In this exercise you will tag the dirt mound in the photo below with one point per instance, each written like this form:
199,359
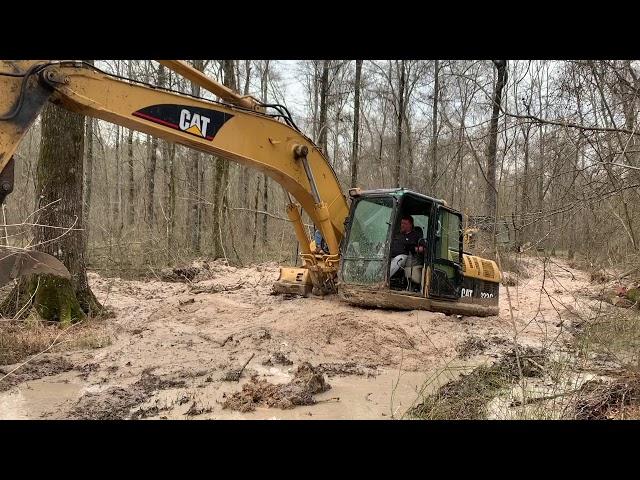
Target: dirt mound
381,340
201,270
116,403
34,370
179,274
307,382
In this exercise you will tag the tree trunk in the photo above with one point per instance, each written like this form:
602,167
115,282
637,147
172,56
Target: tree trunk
356,126
131,203
409,179
434,134
244,173
88,170
264,82
151,173
117,205
172,197
222,171
400,117
324,93
315,100
524,203
255,214
574,217
490,190
132,206
193,182
381,146
59,195
153,162
265,208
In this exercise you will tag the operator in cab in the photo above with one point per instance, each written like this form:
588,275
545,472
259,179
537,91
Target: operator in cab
407,247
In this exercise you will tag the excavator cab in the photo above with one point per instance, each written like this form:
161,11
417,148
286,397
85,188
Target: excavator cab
433,279
374,219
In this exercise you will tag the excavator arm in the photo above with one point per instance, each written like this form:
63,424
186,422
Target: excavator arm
238,129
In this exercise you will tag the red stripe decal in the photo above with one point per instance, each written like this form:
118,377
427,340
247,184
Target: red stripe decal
154,119
168,124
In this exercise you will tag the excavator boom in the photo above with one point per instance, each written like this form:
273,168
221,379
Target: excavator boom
239,129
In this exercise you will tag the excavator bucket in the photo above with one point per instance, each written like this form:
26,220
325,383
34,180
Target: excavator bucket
19,263
293,281
16,263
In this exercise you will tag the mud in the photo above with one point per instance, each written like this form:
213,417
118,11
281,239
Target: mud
38,368
234,375
116,403
196,409
306,382
602,400
169,343
467,397
471,346
277,358
349,368
185,274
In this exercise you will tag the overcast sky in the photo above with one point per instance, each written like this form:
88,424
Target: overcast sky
292,88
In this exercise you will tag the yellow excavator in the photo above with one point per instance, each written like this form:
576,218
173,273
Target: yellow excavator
356,232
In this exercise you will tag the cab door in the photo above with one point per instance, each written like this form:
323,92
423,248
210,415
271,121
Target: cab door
446,265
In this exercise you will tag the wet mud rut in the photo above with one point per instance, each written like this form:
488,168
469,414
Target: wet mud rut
173,346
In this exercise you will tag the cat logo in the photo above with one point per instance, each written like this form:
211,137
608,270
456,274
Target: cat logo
194,123
203,123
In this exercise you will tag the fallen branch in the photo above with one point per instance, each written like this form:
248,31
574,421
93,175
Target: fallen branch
628,272
216,288
234,375
332,399
529,401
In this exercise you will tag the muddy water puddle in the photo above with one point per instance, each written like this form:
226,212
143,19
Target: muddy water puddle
40,399
386,395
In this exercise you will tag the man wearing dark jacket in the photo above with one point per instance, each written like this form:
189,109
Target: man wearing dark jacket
407,249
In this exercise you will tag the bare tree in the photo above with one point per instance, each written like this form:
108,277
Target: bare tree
59,194
131,202
193,168
434,136
356,125
490,189
324,94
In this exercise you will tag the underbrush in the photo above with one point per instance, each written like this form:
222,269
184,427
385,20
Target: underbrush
596,377
21,339
466,398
